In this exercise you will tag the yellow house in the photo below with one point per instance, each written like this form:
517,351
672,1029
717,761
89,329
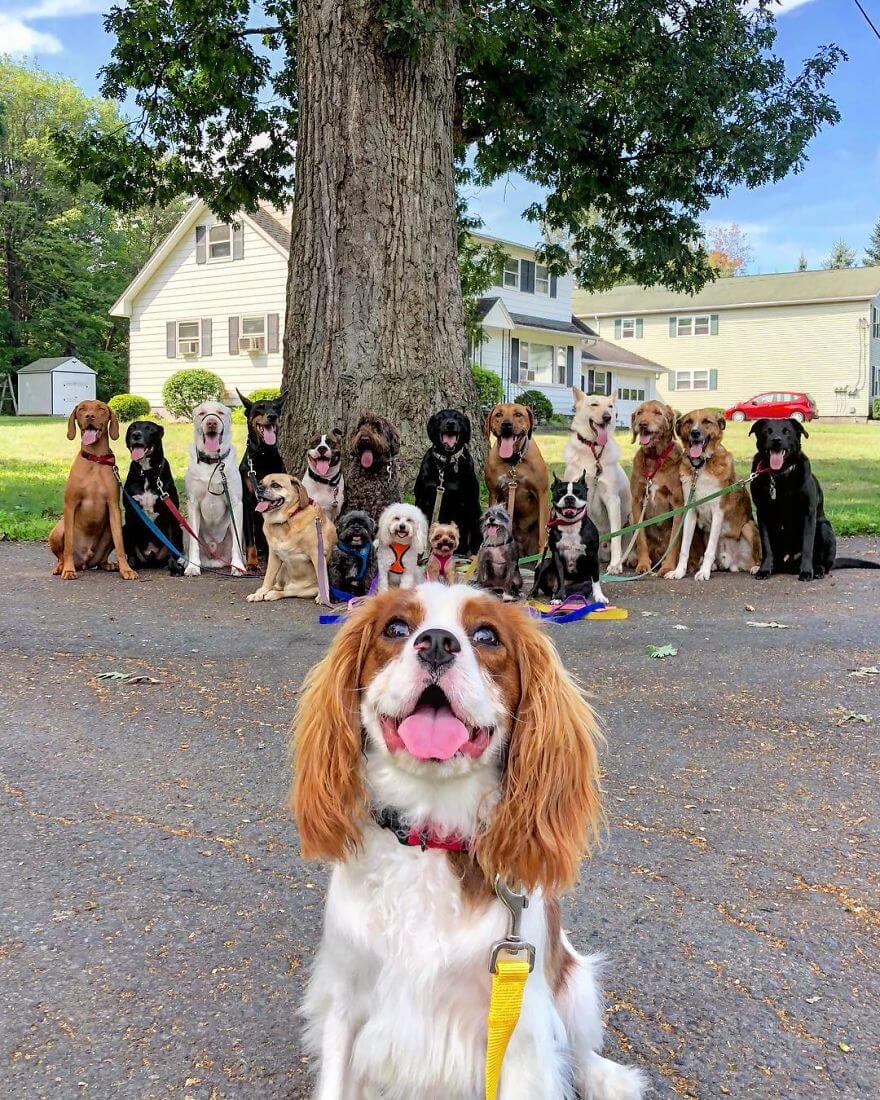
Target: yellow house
805,331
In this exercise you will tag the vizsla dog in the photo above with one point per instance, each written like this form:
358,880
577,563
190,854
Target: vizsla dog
91,524
515,461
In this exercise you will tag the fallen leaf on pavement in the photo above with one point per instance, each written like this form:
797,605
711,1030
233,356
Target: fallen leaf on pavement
773,625
865,670
661,651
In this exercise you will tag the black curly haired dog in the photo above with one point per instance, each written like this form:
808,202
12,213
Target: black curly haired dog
371,481
352,565
448,469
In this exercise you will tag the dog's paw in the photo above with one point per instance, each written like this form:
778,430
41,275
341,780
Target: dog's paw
109,566
645,567
128,574
192,571
676,574
615,568
68,574
236,572
805,575
274,594
762,574
256,597
755,569
702,574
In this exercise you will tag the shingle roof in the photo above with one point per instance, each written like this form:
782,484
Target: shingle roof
742,291
484,307
274,221
603,351
45,365
574,326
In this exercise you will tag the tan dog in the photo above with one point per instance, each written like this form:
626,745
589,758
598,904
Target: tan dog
515,460
655,484
443,540
289,526
732,540
91,524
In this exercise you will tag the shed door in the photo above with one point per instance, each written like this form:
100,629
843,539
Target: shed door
68,389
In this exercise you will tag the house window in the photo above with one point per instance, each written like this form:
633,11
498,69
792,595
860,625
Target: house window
559,375
875,322
510,276
628,328
691,380
543,364
253,333
220,242
542,279
698,325
189,337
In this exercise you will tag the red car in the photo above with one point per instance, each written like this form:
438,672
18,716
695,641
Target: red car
777,405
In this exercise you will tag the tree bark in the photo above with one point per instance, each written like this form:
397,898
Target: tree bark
374,309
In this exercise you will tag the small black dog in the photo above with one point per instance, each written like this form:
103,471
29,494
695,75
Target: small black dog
498,557
149,477
352,565
448,469
261,457
571,565
796,535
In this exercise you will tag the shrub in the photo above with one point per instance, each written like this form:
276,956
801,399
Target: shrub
488,386
875,408
539,403
186,389
128,406
267,393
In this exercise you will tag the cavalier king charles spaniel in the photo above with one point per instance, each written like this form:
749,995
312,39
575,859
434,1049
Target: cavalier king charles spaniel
439,744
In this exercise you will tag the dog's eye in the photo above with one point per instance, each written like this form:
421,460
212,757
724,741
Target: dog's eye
484,635
398,629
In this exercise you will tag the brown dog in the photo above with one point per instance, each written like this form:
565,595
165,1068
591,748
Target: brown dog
91,523
732,540
655,484
443,539
515,462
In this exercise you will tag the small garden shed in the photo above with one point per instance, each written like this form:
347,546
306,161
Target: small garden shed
54,387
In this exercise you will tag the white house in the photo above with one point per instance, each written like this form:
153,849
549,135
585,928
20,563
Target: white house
213,296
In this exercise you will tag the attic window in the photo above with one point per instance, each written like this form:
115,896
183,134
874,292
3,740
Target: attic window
542,279
220,242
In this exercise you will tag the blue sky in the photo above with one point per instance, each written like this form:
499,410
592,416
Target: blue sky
836,196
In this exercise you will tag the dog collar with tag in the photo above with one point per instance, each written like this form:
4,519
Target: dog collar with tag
212,459
411,837
108,459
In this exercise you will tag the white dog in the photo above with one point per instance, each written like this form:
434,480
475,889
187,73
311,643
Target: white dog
592,450
211,457
402,537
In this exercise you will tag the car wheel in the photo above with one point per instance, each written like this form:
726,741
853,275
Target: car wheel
739,416
798,416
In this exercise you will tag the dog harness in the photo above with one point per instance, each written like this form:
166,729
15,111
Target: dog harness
410,837
108,459
444,561
362,557
400,549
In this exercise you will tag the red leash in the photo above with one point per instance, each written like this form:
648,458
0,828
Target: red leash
212,554
659,462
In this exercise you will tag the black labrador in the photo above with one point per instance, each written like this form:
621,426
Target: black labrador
796,535
261,457
448,468
149,478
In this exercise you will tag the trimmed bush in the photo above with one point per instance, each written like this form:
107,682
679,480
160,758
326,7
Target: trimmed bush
128,406
875,408
267,393
539,403
186,389
488,386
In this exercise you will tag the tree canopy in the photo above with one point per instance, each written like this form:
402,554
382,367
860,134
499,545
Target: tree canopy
872,252
841,255
632,117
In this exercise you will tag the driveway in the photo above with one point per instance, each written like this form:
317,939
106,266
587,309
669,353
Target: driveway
156,923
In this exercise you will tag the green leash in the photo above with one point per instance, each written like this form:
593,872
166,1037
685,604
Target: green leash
231,512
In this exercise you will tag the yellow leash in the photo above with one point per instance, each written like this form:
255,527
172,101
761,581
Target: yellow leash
511,962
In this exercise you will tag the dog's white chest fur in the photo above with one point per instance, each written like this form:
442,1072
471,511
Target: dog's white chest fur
570,546
706,484
148,501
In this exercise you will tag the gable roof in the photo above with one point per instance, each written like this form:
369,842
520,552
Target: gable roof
274,221
741,292
601,352
574,327
48,364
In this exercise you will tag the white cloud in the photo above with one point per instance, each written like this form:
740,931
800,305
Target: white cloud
18,38
789,5
61,9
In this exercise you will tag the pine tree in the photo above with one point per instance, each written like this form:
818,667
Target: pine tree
872,252
802,262
841,256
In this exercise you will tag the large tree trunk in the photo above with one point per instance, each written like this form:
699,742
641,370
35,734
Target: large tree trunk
374,309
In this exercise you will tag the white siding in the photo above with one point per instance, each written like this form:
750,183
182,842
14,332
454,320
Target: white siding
184,290
535,305
494,355
35,395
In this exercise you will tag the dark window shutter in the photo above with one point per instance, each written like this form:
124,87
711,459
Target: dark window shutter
206,335
171,339
569,366
673,326
640,328
272,333
591,381
527,276
514,360
233,336
713,324
552,286
201,244
238,242
608,383
713,379
618,328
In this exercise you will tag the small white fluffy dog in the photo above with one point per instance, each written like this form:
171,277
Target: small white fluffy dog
592,450
401,538
207,512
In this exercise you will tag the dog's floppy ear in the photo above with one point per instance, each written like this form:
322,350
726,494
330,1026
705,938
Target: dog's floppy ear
531,413
71,423
433,427
160,429
799,428
327,797
302,495
245,402
114,424
549,810
421,534
721,422
632,422
757,426
487,421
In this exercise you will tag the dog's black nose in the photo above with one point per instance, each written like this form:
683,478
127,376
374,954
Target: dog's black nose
437,647
507,424
606,418
695,433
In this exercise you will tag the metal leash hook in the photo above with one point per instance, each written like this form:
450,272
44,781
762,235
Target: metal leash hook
514,944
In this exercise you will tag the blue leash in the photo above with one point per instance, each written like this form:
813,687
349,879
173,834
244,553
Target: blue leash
148,523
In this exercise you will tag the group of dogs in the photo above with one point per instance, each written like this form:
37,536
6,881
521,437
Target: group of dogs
348,516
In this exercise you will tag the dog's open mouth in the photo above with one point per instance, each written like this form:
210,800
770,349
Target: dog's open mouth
646,438
491,531
212,440
268,434
449,440
320,464
570,513
433,731
139,452
777,460
90,436
600,431
367,458
696,448
507,444
357,540
265,505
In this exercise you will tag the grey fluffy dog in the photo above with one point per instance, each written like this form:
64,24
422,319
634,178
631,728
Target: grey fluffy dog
497,560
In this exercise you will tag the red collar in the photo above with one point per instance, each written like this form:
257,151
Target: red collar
595,448
108,459
658,462
412,837
561,521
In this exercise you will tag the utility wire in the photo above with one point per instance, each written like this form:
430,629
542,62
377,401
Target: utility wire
867,18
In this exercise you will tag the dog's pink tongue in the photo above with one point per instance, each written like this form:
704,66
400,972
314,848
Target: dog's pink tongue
449,440
602,436
212,443
262,506
366,459
269,436
89,436
645,438
137,453
777,458
322,466
431,734
505,447
696,450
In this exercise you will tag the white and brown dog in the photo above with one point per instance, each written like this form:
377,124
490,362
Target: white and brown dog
323,479
592,451
211,458
401,538
439,744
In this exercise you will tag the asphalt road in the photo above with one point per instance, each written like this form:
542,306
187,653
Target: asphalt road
156,924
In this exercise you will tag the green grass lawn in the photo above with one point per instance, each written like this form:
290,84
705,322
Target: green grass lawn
35,457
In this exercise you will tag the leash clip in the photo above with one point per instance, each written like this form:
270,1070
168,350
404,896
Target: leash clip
515,903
